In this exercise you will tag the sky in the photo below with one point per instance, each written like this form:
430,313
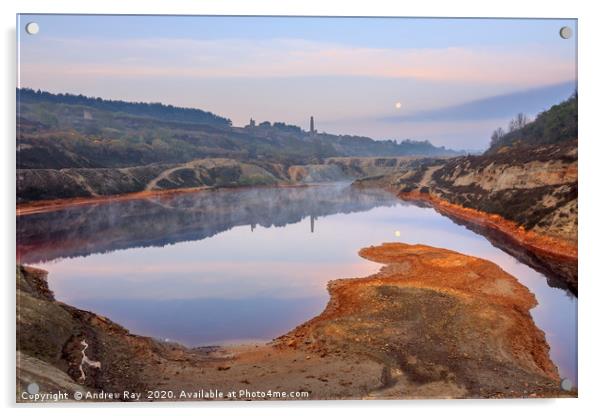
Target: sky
449,81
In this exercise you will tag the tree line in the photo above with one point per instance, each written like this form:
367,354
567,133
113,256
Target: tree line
554,125
154,110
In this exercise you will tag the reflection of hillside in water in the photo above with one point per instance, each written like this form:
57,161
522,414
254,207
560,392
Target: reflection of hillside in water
162,220
559,274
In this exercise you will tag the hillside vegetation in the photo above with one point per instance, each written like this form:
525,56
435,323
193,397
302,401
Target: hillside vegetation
555,125
56,131
155,110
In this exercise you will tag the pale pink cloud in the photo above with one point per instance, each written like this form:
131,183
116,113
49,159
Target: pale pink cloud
158,58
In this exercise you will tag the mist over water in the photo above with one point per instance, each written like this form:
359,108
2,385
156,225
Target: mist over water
246,265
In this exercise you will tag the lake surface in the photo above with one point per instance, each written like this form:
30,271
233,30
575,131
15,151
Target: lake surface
232,266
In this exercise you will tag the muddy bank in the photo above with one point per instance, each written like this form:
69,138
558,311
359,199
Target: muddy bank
441,324
432,323
45,190
49,187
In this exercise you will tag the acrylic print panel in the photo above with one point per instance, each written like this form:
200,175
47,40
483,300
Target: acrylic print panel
287,208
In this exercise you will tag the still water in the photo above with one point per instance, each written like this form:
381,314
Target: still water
231,266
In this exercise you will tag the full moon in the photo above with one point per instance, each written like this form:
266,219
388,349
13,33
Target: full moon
398,105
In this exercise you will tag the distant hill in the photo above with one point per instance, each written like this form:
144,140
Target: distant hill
555,125
154,110
57,131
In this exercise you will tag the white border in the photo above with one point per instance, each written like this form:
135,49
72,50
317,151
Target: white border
589,175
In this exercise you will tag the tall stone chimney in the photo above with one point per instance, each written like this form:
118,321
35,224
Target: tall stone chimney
312,129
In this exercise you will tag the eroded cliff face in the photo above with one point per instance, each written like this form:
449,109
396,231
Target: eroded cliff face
34,185
336,169
51,184
521,195
536,187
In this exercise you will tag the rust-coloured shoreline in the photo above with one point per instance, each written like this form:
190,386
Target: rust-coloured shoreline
557,248
37,207
48,205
